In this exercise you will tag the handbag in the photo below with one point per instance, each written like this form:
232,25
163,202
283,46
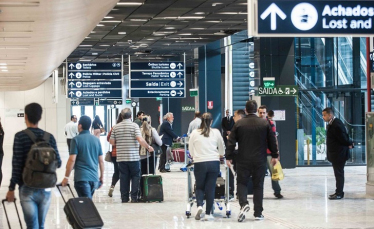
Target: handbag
102,130
157,149
277,172
108,155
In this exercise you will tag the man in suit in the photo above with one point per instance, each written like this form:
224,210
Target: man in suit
338,145
227,124
168,135
254,136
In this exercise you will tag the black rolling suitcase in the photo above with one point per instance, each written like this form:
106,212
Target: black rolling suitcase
152,185
6,213
81,212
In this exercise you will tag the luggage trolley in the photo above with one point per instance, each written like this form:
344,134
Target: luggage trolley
217,202
187,156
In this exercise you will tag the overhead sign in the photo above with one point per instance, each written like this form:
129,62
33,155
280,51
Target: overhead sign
91,102
94,84
157,79
310,18
94,75
157,75
188,108
95,94
278,91
94,66
178,93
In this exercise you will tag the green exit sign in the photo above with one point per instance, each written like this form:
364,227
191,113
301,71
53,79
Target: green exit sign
128,101
194,92
269,82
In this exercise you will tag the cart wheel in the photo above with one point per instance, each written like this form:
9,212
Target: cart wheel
228,213
188,214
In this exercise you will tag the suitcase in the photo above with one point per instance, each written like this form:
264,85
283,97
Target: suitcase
220,188
178,154
152,186
81,212
6,213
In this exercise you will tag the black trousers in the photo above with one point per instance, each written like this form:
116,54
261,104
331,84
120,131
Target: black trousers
161,166
115,176
339,176
68,141
1,165
244,173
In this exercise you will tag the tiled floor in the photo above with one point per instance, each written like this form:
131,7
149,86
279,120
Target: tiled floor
305,204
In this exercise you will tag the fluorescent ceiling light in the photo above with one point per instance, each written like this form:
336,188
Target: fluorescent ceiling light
84,60
228,13
243,13
87,37
95,53
150,39
137,19
3,67
2,64
185,34
216,3
121,33
85,45
105,45
200,13
113,21
108,17
197,28
213,21
169,27
100,25
129,3
190,17
4,70
93,32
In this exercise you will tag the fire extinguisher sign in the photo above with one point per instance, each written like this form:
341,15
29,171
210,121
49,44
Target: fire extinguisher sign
210,105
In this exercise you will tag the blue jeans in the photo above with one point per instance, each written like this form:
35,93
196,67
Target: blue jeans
129,171
86,188
35,204
206,174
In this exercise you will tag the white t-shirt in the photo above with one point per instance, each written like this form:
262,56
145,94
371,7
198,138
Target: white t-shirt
71,130
206,148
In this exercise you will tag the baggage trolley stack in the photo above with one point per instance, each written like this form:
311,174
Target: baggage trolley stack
218,202
187,156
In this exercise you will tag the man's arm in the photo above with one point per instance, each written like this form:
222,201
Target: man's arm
112,139
17,167
231,143
272,145
168,130
69,167
101,165
342,135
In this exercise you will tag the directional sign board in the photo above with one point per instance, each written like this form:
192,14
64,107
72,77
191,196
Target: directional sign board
91,102
310,18
282,90
95,80
157,79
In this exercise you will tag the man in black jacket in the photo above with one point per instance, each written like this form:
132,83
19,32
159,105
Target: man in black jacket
168,135
338,145
227,124
254,136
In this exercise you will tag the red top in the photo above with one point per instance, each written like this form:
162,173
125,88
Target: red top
274,130
114,150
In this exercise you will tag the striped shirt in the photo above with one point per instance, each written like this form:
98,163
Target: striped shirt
21,147
125,133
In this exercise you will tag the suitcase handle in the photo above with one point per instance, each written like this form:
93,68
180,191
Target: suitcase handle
6,214
59,189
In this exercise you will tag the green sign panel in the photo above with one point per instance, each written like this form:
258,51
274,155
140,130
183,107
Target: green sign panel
158,99
269,84
194,92
128,101
188,108
282,90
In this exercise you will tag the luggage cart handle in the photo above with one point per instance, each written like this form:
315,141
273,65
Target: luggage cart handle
59,189
6,213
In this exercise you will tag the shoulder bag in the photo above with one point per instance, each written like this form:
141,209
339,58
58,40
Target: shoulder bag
108,155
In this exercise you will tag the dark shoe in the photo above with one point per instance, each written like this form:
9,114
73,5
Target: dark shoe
336,197
167,170
134,201
242,212
332,195
337,194
163,171
278,195
125,201
259,217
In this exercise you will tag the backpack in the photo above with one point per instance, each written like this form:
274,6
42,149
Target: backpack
41,163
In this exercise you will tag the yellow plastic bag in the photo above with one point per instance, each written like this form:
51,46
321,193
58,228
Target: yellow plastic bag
277,172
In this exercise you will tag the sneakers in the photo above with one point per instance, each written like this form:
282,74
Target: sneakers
259,217
336,197
110,193
242,212
198,214
208,218
278,195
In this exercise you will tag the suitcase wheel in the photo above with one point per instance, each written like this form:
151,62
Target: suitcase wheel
228,213
188,214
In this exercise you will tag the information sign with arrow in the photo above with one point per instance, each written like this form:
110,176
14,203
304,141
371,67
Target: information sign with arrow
281,90
94,75
177,93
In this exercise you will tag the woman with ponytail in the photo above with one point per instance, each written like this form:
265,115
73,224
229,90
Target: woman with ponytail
206,147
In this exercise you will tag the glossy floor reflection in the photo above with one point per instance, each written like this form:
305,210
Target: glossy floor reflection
305,203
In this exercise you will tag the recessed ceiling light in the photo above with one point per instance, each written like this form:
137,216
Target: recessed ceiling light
169,27
190,17
216,3
150,39
113,21
197,28
138,19
3,67
213,21
121,33
228,13
85,45
95,53
130,3
2,64
87,37
4,70
108,17
93,32
105,45
185,34
200,13
100,25
84,60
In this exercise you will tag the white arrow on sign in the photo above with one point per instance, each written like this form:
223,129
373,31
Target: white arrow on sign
180,74
71,93
180,84
71,75
294,91
71,66
180,65
71,84
180,93
273,10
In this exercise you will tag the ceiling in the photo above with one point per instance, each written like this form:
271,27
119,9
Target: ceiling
160,29
36,36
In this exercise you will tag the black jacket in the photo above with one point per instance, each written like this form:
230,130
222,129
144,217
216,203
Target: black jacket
254,136
337,141
227,124
168,133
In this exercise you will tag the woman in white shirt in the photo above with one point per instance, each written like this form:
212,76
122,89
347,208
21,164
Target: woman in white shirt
206,147
151,136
